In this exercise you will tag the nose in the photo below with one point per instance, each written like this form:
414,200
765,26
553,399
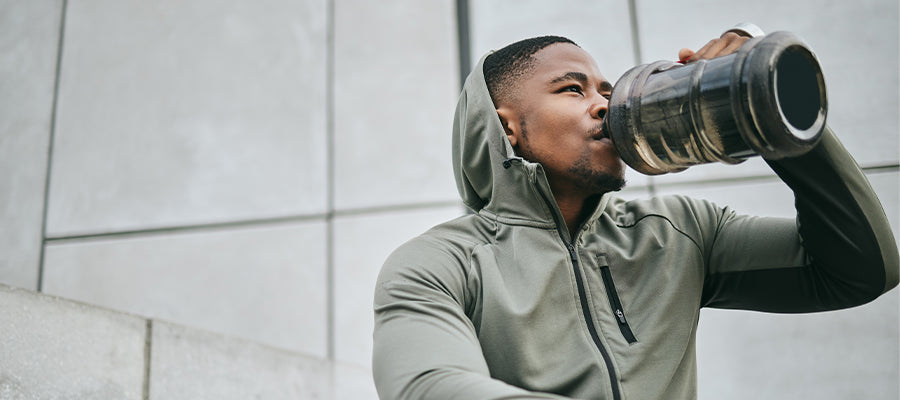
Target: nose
600,107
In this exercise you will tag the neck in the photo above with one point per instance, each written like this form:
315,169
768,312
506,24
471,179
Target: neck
575,209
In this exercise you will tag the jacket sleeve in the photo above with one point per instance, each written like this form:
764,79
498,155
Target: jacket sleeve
425,347
838,253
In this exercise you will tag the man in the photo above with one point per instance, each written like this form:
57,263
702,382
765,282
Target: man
554,288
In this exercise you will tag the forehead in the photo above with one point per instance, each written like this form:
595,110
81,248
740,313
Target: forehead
561,58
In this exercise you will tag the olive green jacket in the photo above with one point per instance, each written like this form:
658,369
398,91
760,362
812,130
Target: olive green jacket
504,304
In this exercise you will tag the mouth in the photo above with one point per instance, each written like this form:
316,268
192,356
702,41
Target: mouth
599,134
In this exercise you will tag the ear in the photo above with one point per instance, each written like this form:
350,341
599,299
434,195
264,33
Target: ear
510,121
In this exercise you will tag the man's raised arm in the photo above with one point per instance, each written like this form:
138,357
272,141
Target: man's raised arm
840,254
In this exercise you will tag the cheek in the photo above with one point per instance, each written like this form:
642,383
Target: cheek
555,133
555,118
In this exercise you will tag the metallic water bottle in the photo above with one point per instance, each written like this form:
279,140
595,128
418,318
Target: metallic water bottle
766,99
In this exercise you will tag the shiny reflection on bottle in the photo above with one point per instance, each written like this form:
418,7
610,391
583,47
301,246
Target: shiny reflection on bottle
767,99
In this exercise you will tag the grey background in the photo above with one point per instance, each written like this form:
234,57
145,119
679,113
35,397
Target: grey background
199,194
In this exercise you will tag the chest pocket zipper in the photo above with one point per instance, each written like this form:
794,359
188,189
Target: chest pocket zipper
615,304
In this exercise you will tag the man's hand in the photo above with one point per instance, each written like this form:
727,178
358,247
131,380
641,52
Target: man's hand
726,44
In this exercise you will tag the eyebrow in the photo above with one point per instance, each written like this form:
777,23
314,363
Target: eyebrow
582,79
606,86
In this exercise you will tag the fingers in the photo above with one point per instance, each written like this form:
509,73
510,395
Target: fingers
704,52
728,43
684,55
735,42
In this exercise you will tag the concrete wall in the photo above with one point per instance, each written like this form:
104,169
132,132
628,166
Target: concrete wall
212,185
234,167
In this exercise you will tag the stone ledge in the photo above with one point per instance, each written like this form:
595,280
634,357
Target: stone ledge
58,348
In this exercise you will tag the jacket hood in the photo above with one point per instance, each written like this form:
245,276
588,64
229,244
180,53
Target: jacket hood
489,175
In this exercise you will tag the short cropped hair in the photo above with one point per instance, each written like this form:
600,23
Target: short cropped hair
505,67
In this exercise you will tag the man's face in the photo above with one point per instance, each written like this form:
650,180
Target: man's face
555,120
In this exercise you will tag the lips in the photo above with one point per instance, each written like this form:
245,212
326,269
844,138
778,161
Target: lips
601,130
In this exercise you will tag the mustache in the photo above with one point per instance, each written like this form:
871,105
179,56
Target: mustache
597,130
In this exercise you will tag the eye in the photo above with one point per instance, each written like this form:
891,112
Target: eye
573,89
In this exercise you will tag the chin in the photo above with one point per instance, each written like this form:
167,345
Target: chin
603,183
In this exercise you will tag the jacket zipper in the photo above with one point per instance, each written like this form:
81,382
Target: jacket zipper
582,296
616,305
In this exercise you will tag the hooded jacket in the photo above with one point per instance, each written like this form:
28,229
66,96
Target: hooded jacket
504,304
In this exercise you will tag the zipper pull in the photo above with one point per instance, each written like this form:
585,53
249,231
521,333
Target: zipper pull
621,316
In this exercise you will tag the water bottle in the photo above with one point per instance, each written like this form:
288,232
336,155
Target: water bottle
766,99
